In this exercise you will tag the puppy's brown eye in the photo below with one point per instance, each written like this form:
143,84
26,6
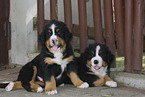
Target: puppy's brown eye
49,31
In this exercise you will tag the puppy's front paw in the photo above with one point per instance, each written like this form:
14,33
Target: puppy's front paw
39,89
84,85
111,84
52,92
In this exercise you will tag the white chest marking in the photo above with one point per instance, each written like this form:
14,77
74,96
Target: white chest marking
58,59
101,71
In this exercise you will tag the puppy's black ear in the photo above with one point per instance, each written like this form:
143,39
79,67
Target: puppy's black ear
110,56
68,34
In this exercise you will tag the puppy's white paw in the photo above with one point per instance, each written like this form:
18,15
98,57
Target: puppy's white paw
84,85
51,92
111,84
39,89
10,86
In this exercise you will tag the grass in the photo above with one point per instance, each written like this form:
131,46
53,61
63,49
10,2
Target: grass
120,62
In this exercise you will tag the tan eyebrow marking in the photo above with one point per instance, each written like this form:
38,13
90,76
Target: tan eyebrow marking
57,30
49,31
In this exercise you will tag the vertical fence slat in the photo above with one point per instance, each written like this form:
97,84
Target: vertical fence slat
109,33
138,35
83,25
119,27
97,21
40,17
68,14
128,34
53,9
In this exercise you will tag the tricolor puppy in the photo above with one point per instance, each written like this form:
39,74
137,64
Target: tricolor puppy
53,66
94,65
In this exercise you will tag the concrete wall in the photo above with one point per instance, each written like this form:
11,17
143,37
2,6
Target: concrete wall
24,39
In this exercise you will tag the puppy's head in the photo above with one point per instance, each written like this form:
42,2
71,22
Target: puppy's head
99,56
55,36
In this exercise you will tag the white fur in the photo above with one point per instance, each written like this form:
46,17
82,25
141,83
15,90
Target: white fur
84,85
111,84
101,71
10,86
39,89
97,57
58,59
51,92
53,37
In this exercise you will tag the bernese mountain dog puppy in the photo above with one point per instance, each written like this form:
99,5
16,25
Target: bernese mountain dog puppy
94,65
53,66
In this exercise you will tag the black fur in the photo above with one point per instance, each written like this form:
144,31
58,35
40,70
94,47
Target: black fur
83,70
44,70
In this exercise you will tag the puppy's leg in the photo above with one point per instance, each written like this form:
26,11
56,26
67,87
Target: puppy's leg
74,77
35,87
50,86
109,82
13,86
27,77
99,80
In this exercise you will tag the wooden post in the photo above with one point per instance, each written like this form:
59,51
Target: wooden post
109,27
110,41
83,25
138,36
40,17
53,10
97,21
68,14
128,34
119,27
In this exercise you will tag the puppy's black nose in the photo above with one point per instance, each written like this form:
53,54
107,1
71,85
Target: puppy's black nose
54,41
96,62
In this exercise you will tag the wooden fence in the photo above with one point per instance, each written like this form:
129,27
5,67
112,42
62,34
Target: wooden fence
126,37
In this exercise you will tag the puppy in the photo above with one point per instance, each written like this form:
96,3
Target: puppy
53,66
94,65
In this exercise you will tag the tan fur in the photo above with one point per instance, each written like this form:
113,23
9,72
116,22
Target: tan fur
98,82
47,43
50,85
33,85
107,78
89,64
17,85
104,64
69,58
48,61
75,79
39,83
61,41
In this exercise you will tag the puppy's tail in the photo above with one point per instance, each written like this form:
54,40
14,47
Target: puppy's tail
3,85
